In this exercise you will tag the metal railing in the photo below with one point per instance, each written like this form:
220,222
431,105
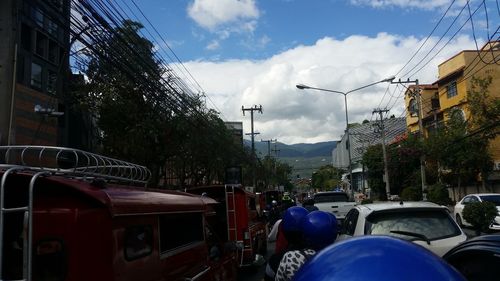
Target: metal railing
73,162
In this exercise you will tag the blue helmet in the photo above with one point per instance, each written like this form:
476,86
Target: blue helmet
319,229
374,258
292,218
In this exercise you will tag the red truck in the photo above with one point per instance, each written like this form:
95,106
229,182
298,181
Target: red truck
241,216
77,216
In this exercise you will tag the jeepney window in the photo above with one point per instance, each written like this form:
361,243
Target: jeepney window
138,241
50,260
251,203
180,230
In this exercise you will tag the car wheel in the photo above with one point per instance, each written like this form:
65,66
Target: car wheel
459,220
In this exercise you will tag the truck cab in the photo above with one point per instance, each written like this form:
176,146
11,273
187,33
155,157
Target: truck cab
97,220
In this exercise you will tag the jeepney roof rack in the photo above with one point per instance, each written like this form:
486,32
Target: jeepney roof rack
73,163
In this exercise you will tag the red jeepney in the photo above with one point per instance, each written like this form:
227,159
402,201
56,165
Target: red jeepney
241,214
94,221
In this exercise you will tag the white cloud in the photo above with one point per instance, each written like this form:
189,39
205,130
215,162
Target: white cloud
214,45
212,14
292,115
420,4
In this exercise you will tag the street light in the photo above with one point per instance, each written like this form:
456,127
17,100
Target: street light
302,87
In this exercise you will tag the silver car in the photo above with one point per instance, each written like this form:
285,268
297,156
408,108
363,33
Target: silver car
424,223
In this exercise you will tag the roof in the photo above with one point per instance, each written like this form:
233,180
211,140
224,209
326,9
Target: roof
483,194
364,135
126,200
445,79
380,206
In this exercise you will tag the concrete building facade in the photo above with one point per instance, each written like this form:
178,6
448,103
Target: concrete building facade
33,63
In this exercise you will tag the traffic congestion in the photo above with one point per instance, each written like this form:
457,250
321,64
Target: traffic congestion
129,150
59,214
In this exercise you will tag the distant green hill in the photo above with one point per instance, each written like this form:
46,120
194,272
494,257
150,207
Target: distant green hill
305,158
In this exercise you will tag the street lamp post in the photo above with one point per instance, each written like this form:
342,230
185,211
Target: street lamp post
302,87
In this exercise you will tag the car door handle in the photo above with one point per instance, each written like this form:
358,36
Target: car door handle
198,276
335,206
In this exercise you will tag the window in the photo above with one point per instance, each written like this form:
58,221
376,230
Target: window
41,44
413,107
458,115
38,16
138,242
36,75
58,4
52,82
180,230
433,224
50,262
349,225
451,89
53,52
330,197
491,198
52,28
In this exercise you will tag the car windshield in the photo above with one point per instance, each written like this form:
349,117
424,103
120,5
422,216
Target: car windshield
433,224
491,198
330,197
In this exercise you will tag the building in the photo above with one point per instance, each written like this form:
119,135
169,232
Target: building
447,97
361,137
33,63
429,99
236,130
455,81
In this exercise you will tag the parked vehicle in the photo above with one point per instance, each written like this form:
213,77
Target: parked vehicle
477,259
76,216
424,223
479,197
335,202
242,219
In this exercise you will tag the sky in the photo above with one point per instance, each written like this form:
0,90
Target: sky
241,53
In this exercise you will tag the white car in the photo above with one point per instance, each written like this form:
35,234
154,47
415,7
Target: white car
424,223
479,197
335,202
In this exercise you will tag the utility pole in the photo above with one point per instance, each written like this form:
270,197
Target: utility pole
269,146
276,153
252,109
416,95
382,132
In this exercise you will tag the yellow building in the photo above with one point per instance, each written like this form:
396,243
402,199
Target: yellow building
431,115
454,82
447,97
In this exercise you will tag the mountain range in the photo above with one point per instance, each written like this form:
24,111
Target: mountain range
299,150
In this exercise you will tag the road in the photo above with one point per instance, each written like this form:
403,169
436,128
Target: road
256,274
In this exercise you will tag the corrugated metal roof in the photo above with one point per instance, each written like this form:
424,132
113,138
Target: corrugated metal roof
364,135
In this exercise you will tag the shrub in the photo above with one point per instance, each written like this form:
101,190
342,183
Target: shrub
411,194
438,194
480,214
366,201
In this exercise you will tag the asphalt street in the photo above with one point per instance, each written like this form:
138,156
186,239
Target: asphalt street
256,273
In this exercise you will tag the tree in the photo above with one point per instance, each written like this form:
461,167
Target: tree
438,194
146,117
485,109
461,146
373,161
480,214
326,178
